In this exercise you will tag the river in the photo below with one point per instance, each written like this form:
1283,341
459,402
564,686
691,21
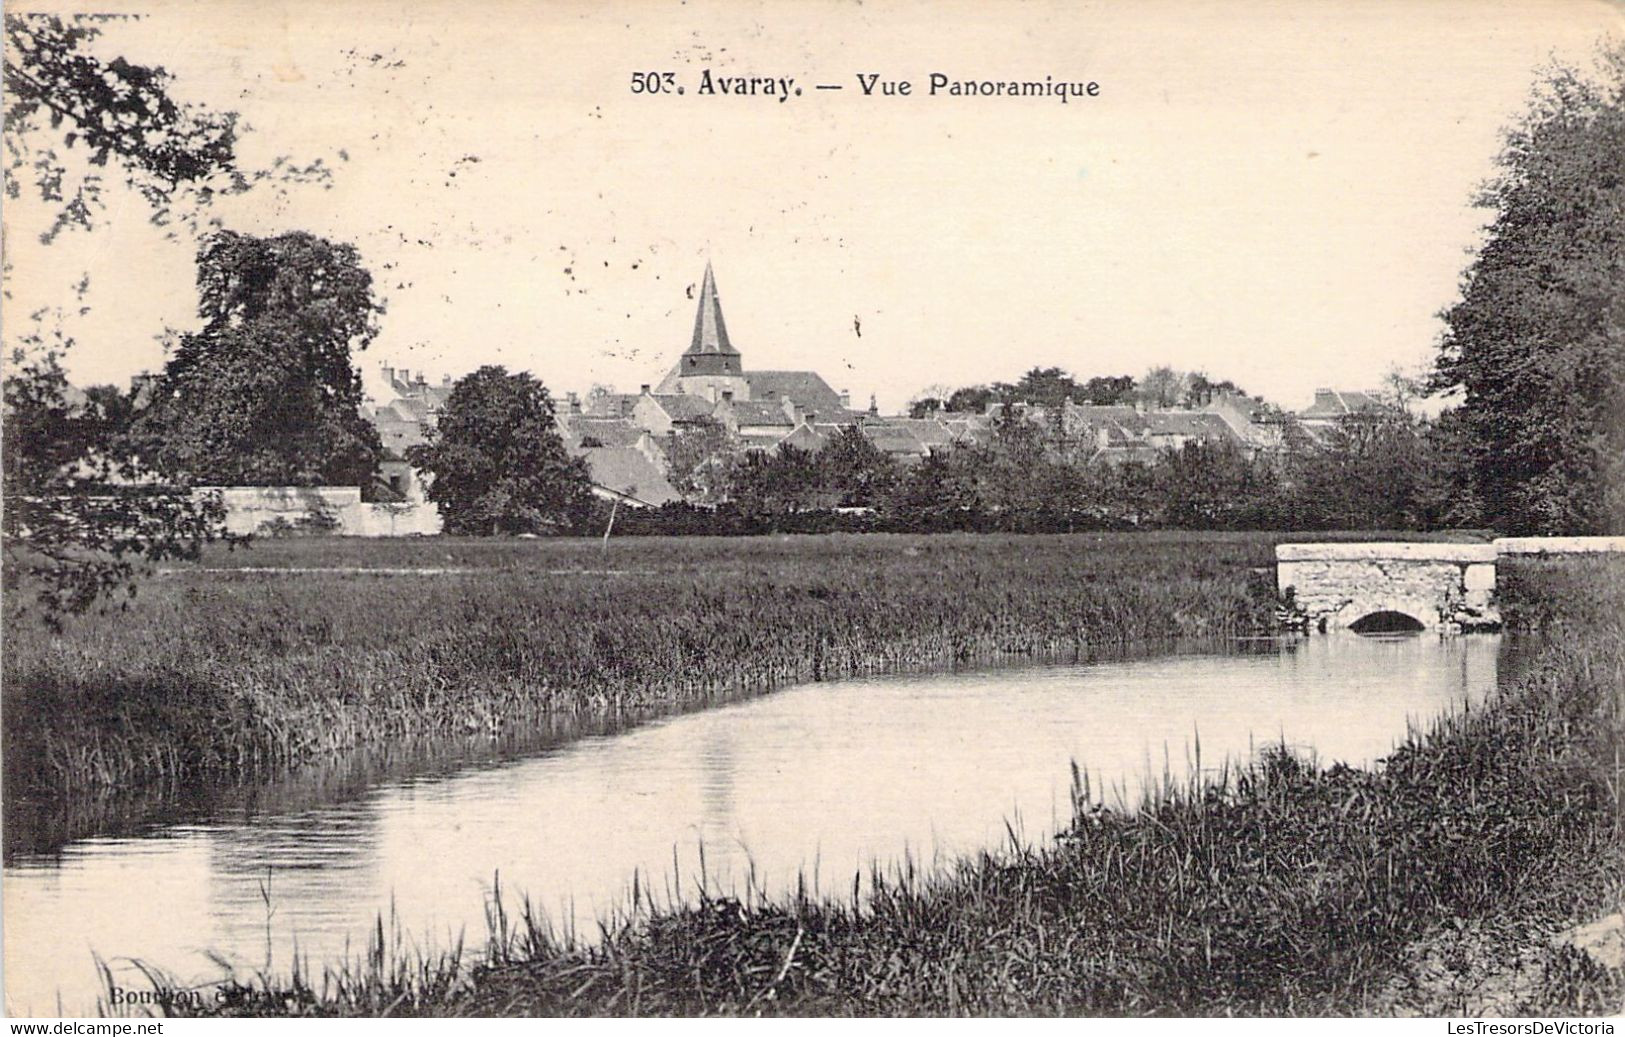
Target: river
816,783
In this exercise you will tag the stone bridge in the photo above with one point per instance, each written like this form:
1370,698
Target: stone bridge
1387,587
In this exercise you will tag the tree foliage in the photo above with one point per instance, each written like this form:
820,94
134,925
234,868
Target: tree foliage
1051,387
700,459
1384,469
80,521
1379,470
71,115
266,393
497,463
81,514
1160,387
855,471
1536,343
1106,391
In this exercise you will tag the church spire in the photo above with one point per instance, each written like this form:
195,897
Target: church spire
710,334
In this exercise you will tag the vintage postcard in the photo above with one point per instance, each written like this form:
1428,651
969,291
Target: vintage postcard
828,508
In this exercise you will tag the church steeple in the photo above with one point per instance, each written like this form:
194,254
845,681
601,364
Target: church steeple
710,333
710,353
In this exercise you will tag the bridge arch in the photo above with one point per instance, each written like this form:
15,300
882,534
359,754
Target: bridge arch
1342,586
1387,621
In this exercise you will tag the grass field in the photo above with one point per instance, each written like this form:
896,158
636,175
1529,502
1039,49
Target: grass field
257,660
1431,885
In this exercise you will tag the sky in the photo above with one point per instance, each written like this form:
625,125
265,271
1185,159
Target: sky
1278,193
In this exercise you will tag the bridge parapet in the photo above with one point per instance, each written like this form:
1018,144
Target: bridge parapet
1558,545
1440,586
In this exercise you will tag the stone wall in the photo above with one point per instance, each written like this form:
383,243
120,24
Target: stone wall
1558,545
1441,586
418,518
338,510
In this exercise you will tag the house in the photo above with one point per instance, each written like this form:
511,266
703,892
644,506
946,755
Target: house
1260,426
397,482
584,431
629,476
810,436
756,418
411,410
966,429
607,404
1333,405
1173,429
805,390
931,433
894,441
662,414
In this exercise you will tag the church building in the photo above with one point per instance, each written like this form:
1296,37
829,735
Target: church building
713,369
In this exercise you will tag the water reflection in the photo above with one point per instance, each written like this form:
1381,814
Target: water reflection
818,781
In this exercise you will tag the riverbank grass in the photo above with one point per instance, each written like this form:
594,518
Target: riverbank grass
257,661
1275,887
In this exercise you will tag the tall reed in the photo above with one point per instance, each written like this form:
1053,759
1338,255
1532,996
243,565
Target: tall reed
217,672
1272,887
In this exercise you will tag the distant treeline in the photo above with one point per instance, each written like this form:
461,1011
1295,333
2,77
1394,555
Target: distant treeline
1051,386
1384,471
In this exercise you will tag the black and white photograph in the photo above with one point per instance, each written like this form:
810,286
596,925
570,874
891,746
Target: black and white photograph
838,508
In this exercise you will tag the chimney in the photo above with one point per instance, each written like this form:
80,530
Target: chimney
846,398
445,380
874,408
812,418
421,379
643,390
389,375
574,404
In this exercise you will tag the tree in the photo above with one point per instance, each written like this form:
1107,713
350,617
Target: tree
973,399
1161,387
939,493
1212,486
496,462
75,526
1107,391
929,400
700,459
1013,471
71,114
1536,343
784,482
857,472
1045,386
1372,470
266,393
79,524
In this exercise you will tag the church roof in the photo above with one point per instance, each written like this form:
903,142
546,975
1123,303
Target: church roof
710,333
